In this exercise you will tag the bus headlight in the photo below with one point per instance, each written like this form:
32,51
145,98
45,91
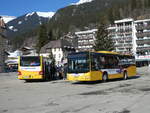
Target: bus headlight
41,73
19,73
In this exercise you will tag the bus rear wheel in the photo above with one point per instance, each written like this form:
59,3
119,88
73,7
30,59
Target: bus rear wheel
105,77
125,76
27,80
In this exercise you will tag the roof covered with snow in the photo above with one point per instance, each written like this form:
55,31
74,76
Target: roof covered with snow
86,32
145,20
124,20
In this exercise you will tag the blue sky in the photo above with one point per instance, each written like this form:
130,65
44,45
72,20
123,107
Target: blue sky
20,7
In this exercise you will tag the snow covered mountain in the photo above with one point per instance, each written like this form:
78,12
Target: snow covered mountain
45,14
8,18
82,2
27,22
42,14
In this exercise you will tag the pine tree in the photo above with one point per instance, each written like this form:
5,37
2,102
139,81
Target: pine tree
133,4
43,37
148,3
50,35
103,41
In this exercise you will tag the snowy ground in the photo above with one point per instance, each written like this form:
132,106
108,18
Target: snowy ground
117,96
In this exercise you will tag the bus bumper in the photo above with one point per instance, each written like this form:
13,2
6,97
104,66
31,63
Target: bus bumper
26,77
79,77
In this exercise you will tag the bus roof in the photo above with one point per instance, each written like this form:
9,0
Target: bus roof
78,54
107,52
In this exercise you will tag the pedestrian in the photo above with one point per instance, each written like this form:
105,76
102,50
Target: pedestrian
65,69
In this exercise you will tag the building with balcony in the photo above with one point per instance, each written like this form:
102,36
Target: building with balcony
123,35
143,36
142,39
132,37
86,39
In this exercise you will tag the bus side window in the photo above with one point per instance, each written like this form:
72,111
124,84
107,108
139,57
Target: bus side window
116,62
108,62
102,62
95,66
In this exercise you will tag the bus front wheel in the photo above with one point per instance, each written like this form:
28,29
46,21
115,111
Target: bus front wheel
105,77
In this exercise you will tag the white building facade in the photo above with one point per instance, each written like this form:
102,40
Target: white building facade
86,39
143,39
59,49
123,36
132,37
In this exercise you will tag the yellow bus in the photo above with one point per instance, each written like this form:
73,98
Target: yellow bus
34,68
100,65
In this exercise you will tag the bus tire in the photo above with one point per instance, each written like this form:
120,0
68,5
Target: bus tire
105,77
27,80
125,75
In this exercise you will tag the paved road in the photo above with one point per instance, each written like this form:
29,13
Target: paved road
119,96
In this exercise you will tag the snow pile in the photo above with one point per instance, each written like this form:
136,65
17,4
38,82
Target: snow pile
11,27
83,1
30,14
8,18
20,22
45,14
41,14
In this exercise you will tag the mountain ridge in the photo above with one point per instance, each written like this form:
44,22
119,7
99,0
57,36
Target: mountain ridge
27,22
89,14
82,2
85,16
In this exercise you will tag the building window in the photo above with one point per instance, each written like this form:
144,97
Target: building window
59,55
54,55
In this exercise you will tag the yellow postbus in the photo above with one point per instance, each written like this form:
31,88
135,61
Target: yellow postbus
100,65
34,68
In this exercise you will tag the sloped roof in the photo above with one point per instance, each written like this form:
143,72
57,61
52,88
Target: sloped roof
56,44
26,48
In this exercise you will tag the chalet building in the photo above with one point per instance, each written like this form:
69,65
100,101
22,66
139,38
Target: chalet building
28,51
12,58
3,44
59,49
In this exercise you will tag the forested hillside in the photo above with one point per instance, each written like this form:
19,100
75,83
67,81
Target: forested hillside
88,15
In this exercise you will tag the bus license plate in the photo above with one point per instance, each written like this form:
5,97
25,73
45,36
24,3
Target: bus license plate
26,77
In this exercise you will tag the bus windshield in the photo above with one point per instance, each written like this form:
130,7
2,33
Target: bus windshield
30,61
78,65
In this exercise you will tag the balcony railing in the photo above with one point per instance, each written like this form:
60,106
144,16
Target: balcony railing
145,34
145,41
142,27
142,48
